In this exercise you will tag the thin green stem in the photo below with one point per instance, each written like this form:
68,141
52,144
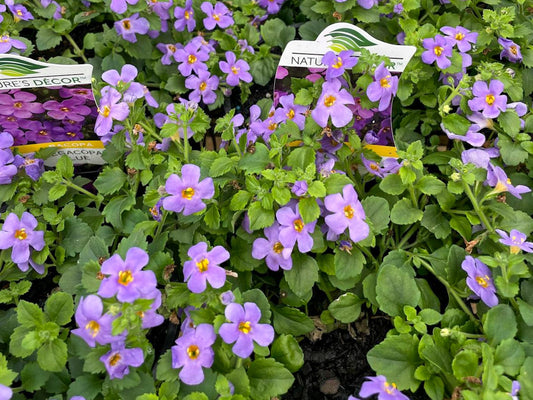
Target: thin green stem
161,224
477,208
185,145
81,190
408,235
77,50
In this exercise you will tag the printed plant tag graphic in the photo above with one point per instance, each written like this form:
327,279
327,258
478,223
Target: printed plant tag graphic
303,59
49,105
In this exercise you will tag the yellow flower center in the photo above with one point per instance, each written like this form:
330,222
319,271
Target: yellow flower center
489,99
374,166
272,126
390,388
19,13
203,85
18,104
187,193
513,50
338,64
438,50
216,17
191,59
172,48
193,352
514,249
43,132
187,14
21,234
235,70
106,111
93,327
203,265
459,36
348,212
125,277
290,114
65,109
298,225
71,134
114,359
329,100
384,82
278,247
483,281
154,211
4,38
126,24
245,327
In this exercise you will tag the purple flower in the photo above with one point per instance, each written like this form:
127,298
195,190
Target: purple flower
6,43
237,70
294,230
155,211
480,280
73,109
299,188
515,388
125,278
437,49
20,235
203,87
227,297
187,192
497,178
272,6
129,27
473,137
387,166
2,9
34,167
479,157
290,111
368,4
119,359
93,326
191,59
488,99
511,50
516,240
184,17
460,36
110,109
7,169
347,213
332,102
383,88
219,15
385,390
150,318
20,13
128,73
169,51
243,45
5,392
204,266
338,63
21,105
244,329
120,6
193,352
276,254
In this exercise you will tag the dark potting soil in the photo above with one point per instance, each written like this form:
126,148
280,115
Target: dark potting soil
335,366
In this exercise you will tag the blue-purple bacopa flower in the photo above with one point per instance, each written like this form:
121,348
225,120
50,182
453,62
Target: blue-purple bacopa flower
480,281
516,241
488,99
276,255
347,213
510,50
244,329
204,266
293,230
94,327
193,352
187,191
125,278
130,26
118,360
237,70
338,63
383,88
333,102
21,237
378,385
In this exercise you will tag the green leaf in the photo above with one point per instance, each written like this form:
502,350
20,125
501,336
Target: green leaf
46,39
56,192
403,213
309,209
348,265
346,308
456,124
164,371
510,122
392,184
434,387
52,356
29,315
260,217
276,33
114,209
430,185
303,274
110,180
221,166
286,350
89,385
377,211
59,308
301,157
268,379
500,324
397,358
75,235
240,200
510,355
263,69
65,167
255,163
435,222
258,297
291,321
33,377
395,289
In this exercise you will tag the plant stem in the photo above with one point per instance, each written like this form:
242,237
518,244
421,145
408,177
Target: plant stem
81,190
77,50
477,208
408,235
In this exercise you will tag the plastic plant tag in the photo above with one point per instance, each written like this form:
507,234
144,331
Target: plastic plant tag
49,105
303,59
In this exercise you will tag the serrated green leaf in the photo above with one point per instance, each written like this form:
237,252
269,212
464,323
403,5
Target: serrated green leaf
395,289
59,308
346,308
110,180
403,213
